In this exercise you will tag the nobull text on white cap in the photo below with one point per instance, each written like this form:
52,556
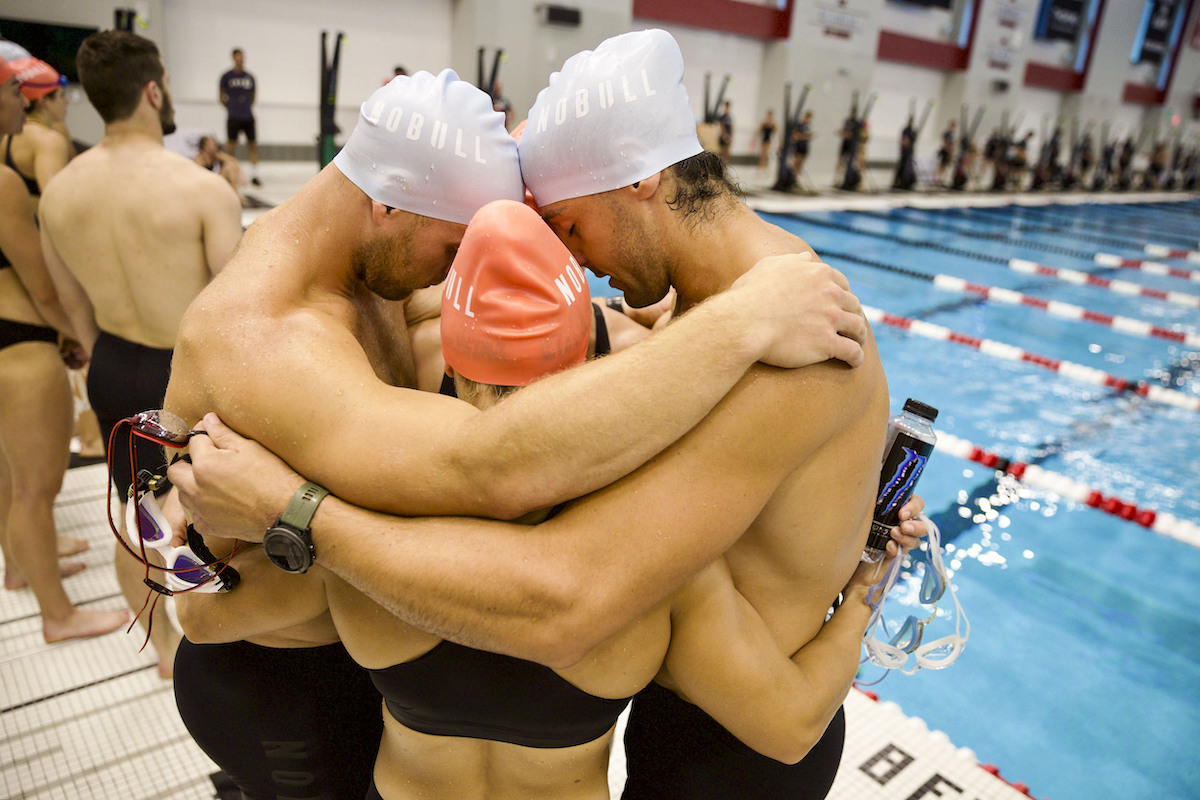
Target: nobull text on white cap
609,118
432,145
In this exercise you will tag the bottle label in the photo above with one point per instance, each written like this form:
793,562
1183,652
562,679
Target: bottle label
903,465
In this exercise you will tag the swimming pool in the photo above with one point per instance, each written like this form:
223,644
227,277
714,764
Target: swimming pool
1080,678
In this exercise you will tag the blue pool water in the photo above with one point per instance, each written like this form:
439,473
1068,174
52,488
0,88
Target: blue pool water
1082,672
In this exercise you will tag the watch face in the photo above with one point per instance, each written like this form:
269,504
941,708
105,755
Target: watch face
287,550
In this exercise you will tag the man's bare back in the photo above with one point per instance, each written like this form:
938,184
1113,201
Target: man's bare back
143,230
131,233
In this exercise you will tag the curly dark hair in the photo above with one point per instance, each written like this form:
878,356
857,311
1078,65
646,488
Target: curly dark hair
700,180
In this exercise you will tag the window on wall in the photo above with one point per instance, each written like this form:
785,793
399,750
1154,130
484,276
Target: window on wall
1072,21
1059,20
54,44
1158,33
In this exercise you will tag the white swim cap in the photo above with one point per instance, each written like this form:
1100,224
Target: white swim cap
611,117
432,146
11,51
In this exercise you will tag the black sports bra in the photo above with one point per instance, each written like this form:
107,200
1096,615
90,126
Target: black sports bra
30,183
458,691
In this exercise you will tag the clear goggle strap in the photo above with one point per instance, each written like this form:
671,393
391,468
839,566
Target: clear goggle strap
941,653
937,654
879,592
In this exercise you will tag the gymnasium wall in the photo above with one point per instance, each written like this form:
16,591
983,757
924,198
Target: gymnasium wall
833,46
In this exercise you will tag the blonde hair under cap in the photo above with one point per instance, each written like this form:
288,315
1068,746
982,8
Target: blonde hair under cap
432,145
609,118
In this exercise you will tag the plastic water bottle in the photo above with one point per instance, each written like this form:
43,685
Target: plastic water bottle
909,443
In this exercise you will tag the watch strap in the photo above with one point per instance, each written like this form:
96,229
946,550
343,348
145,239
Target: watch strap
303,506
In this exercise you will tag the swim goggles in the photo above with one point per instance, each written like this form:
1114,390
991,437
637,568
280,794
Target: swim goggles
190,567
52,86
896,649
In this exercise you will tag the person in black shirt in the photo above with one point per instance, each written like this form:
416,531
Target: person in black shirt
237,95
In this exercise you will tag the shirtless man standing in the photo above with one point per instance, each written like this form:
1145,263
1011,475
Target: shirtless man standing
138,231
809,442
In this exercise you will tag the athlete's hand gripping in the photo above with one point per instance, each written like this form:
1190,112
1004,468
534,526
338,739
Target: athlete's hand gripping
905,537
233,487
805,310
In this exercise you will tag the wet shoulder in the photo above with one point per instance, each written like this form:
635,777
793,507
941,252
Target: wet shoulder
179,174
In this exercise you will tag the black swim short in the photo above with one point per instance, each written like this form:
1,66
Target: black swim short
281,722
675,751
125,378
233,127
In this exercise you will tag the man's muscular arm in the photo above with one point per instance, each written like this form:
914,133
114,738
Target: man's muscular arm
266,600
221,217
312,398
75,301
552,592
723,659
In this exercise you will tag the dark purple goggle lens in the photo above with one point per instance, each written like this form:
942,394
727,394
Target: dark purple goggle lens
148,526
194,571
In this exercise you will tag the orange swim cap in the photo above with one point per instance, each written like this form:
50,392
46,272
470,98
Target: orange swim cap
516,304
37,78
6,70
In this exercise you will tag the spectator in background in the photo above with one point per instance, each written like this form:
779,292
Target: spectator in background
211,157
725,132
766,132
237,94
502,104
945,153
802,134
396,73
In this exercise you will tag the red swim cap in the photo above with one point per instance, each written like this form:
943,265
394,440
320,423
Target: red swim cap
516,304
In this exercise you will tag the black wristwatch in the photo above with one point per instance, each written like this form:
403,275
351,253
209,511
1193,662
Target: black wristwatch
288,543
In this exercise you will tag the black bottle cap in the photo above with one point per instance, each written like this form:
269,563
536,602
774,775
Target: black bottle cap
920,409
